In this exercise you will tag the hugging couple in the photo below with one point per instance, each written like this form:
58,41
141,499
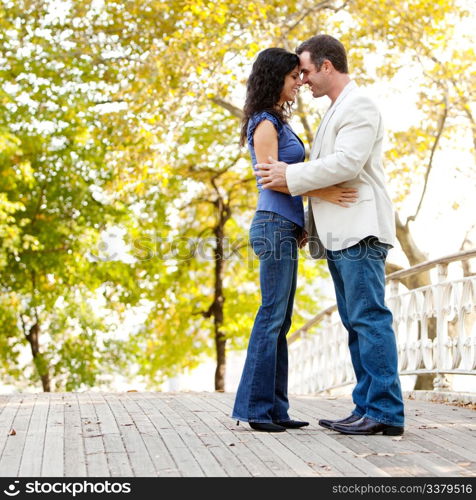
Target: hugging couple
349,221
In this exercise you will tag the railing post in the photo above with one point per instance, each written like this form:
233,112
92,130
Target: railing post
440,382
393,288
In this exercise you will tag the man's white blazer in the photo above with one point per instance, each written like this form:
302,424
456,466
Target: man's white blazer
347,149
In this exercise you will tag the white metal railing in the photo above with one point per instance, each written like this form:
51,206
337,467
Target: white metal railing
319,358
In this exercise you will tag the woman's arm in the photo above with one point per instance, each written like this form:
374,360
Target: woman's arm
335,194
265,141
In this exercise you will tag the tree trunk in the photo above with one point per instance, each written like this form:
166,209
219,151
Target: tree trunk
220,344
415,256
219,299
33,338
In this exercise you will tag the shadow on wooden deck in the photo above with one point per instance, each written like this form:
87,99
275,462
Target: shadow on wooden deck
191,434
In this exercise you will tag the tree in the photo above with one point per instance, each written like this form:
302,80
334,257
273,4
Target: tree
127,113
364,27
52,212
199,271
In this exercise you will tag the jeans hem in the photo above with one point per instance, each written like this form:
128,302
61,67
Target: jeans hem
253,420
383,420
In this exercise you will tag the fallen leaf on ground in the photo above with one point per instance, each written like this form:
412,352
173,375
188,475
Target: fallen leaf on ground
365,455
12,432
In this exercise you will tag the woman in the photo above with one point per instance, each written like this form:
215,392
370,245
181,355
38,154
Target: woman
275,234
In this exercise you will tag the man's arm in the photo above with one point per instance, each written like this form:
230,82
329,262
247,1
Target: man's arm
354,142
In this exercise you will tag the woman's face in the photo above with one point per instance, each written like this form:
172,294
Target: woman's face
292,82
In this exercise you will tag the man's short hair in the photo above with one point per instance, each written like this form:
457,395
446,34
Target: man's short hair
322,47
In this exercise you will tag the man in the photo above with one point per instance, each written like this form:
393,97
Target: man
348,149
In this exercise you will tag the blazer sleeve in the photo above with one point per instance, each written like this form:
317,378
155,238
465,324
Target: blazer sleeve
354,142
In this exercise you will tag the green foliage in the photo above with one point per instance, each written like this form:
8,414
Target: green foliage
52,170
116,114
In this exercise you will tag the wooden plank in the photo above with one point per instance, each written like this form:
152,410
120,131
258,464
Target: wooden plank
137,452
161,456
12,453
74,452
95,453
53,451
455,427
332,454
437,451
32,457
443,437
178,452
215,408
431,466
192,434
161,459
424,466
165,424
275,444
350,454
223,405
211,409
322,407
230,452
6,421
439,464
390,456
116,454
4,399
299,443
185,425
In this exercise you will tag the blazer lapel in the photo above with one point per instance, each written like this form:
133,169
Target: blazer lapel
317,143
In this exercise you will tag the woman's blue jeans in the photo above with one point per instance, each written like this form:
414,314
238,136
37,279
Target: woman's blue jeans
358,273
262,394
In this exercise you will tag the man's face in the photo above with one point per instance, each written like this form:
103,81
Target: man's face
316,79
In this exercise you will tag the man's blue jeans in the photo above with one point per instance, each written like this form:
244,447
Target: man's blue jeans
262,394
358,273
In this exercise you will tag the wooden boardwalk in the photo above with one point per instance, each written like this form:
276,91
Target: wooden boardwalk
191,434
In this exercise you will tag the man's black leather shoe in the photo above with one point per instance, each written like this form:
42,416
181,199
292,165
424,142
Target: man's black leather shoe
368,426
291,424
264,427
329,423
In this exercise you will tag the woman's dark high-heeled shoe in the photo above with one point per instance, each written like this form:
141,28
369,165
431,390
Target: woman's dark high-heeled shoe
263,427
292,424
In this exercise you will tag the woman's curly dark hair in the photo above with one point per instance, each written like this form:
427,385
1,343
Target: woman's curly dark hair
265,84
